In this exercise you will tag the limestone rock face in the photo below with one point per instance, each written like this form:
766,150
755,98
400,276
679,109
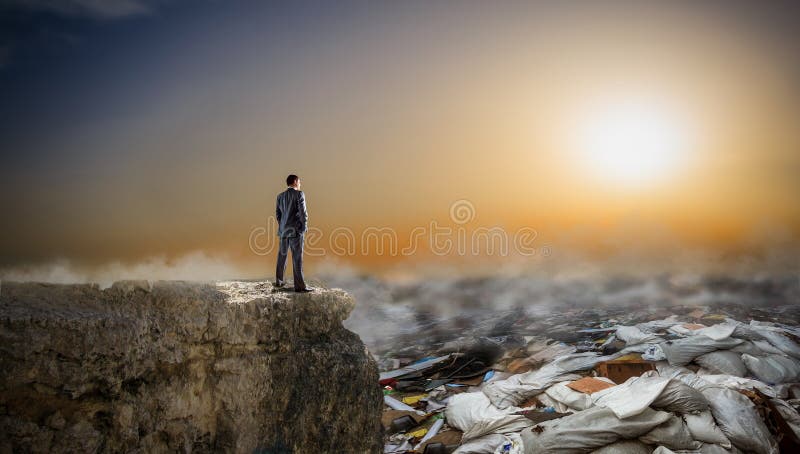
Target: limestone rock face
186,367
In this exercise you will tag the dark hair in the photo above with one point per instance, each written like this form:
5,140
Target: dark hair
291,179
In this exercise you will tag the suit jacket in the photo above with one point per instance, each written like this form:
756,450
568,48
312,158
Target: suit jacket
290,211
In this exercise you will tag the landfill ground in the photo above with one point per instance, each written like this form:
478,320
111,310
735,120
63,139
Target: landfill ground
625,365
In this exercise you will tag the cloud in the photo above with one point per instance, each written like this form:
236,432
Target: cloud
97,9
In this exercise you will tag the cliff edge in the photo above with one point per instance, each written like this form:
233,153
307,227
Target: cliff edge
180,366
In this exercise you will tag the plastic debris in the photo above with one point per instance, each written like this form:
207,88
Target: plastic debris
435,428
397,405
416,367
411,400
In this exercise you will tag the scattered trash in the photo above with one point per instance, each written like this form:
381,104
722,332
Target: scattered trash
410,400
402,424
397,405
639,381
431,432
416,367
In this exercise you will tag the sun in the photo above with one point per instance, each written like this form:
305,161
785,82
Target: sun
632,142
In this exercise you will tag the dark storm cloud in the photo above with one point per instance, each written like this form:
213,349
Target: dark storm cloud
98,9
34,29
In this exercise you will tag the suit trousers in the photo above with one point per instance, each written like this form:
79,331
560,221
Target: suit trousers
295,243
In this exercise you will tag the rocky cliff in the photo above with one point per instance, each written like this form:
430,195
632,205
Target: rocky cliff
189,367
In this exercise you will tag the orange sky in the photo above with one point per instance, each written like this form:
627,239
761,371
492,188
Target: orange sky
392,114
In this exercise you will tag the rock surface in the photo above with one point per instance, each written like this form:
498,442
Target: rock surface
178,366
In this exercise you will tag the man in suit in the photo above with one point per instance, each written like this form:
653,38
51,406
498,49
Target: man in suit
290,210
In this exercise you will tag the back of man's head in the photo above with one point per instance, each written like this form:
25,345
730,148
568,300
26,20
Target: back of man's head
291,180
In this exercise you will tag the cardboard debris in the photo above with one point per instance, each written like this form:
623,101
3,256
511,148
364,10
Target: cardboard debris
519,366
622,369
589,385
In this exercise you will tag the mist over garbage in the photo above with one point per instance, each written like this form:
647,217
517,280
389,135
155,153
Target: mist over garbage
625,364
393,314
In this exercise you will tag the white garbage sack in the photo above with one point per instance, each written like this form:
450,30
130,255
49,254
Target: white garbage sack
474,414
673,434
575,400
548,401
776,337
632,335
729,381
773,369
703,428
625,447
664,369
487,444
465,409
723,362
768,348
739,420
717,332
682,351
632,397
493,444
520,387
682,330
751,348
679,397
681,373
587,430
744,331
503,425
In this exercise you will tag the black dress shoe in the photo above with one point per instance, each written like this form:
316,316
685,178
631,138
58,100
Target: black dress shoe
278,284
305,290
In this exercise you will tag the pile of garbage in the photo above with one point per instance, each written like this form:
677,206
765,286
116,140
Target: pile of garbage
635,382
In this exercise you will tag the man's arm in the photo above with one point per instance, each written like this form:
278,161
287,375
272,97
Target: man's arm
278,209
302,213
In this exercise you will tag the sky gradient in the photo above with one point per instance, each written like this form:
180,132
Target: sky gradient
133,129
